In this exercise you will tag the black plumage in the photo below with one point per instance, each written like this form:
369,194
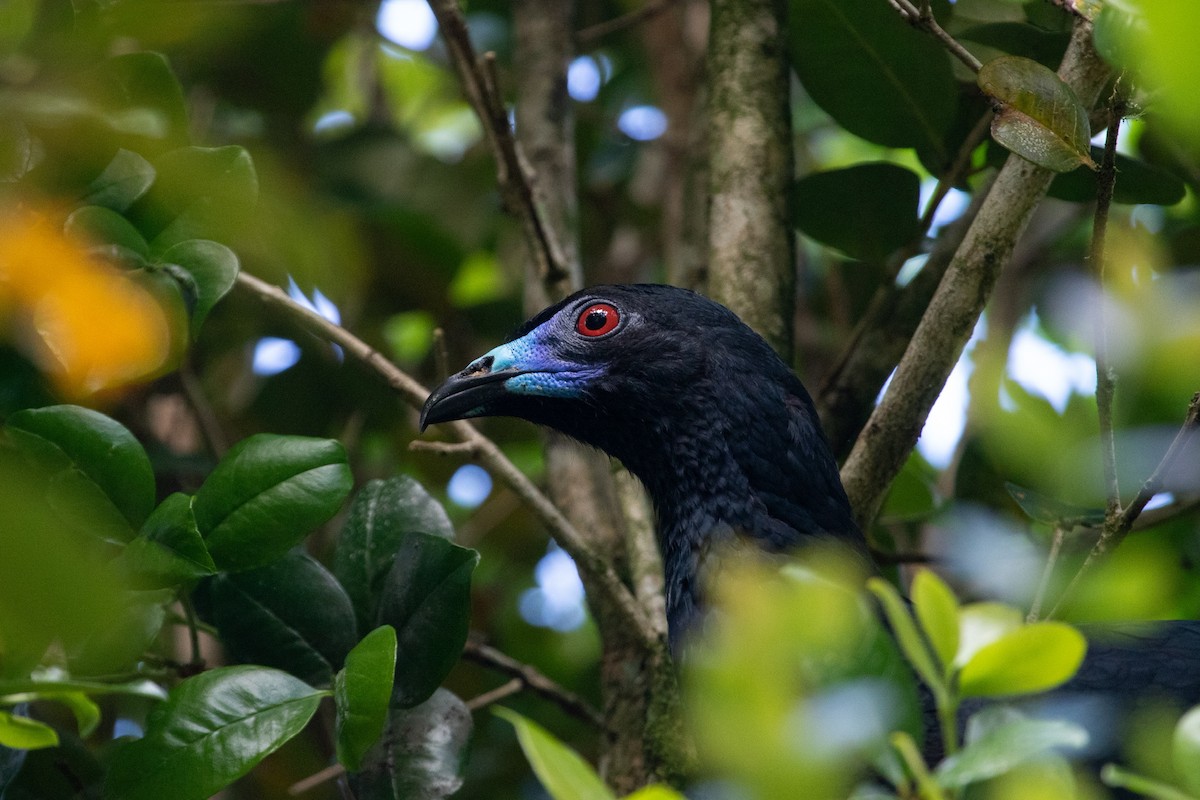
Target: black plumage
727,442
694,403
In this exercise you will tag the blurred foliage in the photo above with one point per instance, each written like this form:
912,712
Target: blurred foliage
149,151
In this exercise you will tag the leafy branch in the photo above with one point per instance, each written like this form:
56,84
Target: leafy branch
600,573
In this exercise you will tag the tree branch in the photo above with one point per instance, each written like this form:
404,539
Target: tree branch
923,19
1111,536
751,245
512,175
535,681
599,573
588,36
891,431
1105,377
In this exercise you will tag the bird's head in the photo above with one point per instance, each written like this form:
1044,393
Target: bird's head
611,366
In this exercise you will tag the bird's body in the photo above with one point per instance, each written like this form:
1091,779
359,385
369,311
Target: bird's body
726,440
694,403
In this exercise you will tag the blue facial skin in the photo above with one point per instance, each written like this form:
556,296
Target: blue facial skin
545,375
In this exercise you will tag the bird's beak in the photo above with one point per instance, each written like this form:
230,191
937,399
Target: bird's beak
467,393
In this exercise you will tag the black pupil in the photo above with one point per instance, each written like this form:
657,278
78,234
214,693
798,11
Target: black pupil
596,319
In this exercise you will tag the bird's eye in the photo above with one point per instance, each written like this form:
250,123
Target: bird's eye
597,319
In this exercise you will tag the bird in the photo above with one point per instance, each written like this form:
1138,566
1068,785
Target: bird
728,444
693,402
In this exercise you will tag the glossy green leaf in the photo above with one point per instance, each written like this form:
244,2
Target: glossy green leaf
563,773
143,83
422,754
200,193
213,268
100,448
16,20
427,598
361,691
866,211
291,614
905,631
1137,182
169,549
266,494
1185,750
937,611
1029,659
1041,120
383,513
1008,741
87,713
214,728
126,178
24,733
848,50
104,228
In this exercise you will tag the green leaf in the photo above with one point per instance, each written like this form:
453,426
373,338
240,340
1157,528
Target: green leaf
266,494
1017,39
981,624
144,83
1185,750
427,599
1046,509
361,691
1029,659
911,643
563,773
213,268
24,733
1137,182
937,611
108,230
848,50
126,178
169,550
101,449
1009,740
214,728
118,645
291,614
656,791
1041,120
201,193
382,515
51,682
422,755
866,211
87,713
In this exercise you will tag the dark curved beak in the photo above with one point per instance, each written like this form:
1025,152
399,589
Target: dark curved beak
467,393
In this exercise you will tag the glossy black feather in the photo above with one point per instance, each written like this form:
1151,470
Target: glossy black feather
726,440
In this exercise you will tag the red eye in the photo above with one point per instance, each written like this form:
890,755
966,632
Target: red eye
597,320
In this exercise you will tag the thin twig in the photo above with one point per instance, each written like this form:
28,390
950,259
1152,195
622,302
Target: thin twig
884,558
468,450
588,36
495,695
330,773
189,612
513,177
1035,608
210,426
602,576
923,18
441,355
1111,538
955,172
537,683
1105,377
